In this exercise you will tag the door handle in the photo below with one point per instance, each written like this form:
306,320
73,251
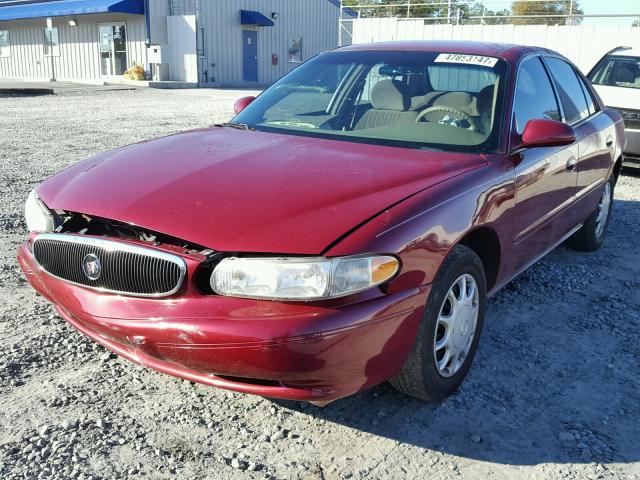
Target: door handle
571,164
609,141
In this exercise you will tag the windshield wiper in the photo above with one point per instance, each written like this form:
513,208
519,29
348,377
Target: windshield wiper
239,126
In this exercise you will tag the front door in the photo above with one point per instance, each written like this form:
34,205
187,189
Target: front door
113,49
250,55
546,177
594,132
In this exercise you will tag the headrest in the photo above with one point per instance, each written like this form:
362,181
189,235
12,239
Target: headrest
389,95
459,100
625,75
484,102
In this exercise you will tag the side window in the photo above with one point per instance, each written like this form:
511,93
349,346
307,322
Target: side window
534,96
51,43
5,46
571,94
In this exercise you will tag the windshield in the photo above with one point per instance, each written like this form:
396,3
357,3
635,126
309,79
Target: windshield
410,99
617,71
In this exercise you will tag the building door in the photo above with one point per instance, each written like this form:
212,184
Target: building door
250,55
113,49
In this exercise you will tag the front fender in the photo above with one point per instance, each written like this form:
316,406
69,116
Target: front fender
422,229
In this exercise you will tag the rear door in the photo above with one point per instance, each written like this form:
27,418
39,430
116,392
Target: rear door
545,176
594,132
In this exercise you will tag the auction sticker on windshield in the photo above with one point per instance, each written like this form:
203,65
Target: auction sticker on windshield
467,59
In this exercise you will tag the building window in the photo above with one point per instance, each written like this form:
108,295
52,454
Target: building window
200,41
5,46
295,49
51,43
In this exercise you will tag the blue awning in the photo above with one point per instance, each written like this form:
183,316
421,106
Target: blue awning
59,8
249,17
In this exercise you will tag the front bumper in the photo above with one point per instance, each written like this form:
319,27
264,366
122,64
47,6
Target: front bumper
632,148
283,350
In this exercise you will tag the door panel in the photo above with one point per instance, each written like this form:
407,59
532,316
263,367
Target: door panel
593,132
595,155
545,178
545,187
106,48
119,49
113,49
249,56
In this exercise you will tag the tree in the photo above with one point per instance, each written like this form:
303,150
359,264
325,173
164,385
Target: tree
542,12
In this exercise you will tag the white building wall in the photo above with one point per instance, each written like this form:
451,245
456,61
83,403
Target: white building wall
158,13
583,44
181,34
79,48
316,21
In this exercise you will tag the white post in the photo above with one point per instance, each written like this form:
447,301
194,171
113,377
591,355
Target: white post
340,26
49,38
449,12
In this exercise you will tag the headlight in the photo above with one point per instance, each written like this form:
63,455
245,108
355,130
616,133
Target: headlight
294,278
37,215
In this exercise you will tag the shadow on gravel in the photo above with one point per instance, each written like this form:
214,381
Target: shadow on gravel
545,387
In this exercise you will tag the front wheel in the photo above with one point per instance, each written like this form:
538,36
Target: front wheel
591,235
450,330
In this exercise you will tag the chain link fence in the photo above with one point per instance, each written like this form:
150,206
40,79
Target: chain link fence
486,12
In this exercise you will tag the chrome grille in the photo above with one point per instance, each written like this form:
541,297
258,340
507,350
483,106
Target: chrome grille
121,267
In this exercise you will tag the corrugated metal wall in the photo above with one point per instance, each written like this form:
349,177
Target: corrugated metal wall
583,44
316,21
181,32
79,51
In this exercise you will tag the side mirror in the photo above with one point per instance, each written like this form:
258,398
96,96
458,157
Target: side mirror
242,103
547,133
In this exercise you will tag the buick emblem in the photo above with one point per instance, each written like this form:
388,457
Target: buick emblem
91,266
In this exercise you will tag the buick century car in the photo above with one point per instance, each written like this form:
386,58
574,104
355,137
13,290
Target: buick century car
344,229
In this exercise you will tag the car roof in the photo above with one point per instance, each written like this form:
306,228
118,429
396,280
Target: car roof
510,52
629,52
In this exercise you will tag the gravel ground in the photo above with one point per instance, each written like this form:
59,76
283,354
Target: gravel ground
553,392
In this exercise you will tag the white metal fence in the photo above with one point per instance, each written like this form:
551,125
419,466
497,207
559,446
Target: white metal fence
583,44
567,29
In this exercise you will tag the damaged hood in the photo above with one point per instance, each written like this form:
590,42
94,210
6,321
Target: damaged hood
235,190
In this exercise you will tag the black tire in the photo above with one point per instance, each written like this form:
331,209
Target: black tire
419,376
588,238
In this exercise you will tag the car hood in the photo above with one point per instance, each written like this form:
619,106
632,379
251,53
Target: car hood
619,97
235,190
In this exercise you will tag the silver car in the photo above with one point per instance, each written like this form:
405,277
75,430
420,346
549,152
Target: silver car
616,78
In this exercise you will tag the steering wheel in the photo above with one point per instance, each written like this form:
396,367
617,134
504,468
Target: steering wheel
455,112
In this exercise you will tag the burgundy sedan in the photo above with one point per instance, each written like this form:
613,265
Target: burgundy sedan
344,229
